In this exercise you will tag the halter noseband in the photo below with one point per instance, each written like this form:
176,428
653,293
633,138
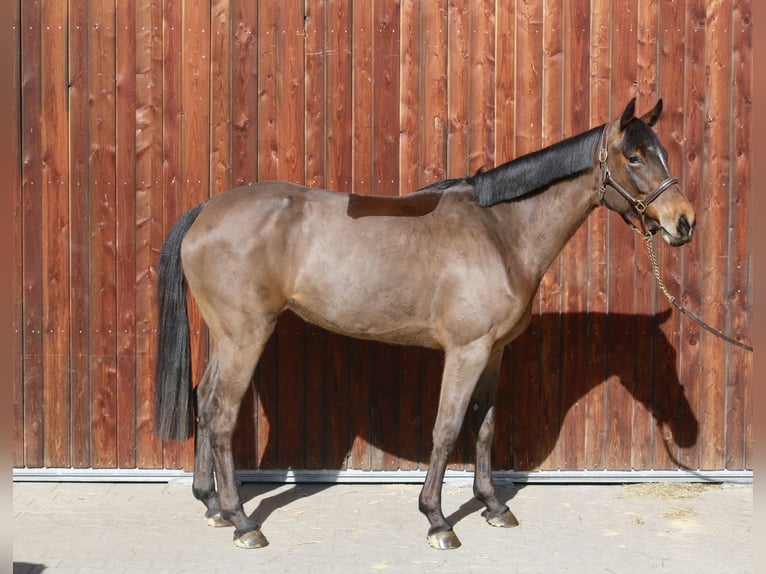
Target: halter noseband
638,205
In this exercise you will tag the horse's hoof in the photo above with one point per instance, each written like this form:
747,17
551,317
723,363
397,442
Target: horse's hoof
251,539
444,540
218,521
505,519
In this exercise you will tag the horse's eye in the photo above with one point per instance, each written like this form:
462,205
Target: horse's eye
634,159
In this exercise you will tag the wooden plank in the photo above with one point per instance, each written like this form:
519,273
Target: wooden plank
531,444
32,255
363,47
172,173
715,220
265,127
290,134
434,89
244,93
339,136
79,236
386,378
316,59
149,235
17,284
504,145
739,423
220,96
235,146
385,98
410,73
54,231
642,455
621,259
125,174
102,184
339,175
550,291
195,155
596,286
574,260
667,388
689,350
457,89
412,67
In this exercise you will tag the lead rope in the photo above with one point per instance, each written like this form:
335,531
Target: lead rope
673,301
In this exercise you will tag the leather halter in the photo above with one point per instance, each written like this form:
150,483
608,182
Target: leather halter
639,205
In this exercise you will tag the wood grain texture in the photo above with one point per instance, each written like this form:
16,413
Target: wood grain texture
130,113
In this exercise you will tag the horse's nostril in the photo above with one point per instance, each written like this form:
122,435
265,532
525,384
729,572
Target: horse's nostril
684,229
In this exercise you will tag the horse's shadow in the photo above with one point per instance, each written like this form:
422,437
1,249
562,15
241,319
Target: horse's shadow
534,398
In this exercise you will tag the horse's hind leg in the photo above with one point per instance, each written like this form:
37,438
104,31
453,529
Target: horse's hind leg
203,486
483,416
218,410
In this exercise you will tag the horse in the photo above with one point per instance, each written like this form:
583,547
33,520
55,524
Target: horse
453,266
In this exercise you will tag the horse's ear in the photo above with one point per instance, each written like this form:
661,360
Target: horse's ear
652,116
628,114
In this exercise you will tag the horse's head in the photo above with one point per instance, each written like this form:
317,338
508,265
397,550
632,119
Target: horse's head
636,180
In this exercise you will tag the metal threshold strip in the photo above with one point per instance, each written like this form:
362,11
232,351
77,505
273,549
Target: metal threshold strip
395,476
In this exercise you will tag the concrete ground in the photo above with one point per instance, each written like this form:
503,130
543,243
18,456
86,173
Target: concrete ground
368,528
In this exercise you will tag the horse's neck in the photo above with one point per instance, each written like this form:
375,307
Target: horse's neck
537,228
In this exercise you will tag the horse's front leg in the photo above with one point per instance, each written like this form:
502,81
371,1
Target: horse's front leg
497,513
462,368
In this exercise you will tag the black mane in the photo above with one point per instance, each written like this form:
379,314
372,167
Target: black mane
536,170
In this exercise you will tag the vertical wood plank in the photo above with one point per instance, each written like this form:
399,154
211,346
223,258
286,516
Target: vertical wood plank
529,442
550,292
102,199
621,281
149,235
195,156
412,61
339,176
339,93
739,427
574,261
410,72
504,145
220,96
172,173
694,97
642,392
457,89
244,93
80,303
363,49
290,134
667,388
32,222
716,185
264,139
596,287
55,218
385,98
17,285
433,62
125,176
316,410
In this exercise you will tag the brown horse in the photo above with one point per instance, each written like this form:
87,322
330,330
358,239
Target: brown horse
454,266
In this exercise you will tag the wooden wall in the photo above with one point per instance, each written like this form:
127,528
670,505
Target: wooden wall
130,113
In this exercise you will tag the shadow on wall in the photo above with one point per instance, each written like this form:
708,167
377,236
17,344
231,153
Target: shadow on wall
356,404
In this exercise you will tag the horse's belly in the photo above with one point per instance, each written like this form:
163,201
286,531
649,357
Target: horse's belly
369,321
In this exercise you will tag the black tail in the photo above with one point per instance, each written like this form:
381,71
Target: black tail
173,403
